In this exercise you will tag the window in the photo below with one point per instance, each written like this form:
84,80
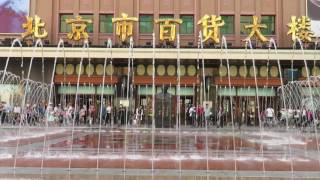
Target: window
187,25
105,23
146,24
64,27
228,28
90,26
270,22
245,20
166,16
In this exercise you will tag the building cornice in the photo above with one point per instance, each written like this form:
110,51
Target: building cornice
147,53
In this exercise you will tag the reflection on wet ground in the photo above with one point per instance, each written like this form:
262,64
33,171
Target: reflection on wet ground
162,142
248,150
128,177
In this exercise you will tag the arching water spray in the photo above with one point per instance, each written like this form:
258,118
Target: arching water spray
108,55
76,105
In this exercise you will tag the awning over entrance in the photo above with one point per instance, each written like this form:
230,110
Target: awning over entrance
246,92
252,92
107,90
85,90
305,91
227,92
184,91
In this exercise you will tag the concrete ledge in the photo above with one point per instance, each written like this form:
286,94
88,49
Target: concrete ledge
147,53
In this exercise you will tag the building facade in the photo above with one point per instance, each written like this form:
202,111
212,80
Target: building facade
236,13
210,84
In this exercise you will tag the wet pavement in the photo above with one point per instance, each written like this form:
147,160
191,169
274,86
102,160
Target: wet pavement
185,150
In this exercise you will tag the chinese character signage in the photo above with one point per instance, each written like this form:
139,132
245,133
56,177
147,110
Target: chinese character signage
300,28
210,27
255,28
34,27
168,29
124,26
78,28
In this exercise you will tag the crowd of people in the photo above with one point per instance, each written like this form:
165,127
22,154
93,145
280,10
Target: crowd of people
195,116
301,118
40,115
198,115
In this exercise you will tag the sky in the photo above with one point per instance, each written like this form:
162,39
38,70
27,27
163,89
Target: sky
12,15
19,6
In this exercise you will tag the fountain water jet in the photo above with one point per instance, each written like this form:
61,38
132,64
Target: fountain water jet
109,49
76,106
24,99
273,43
224,46
61,43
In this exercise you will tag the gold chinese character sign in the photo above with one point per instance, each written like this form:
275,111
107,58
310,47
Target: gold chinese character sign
210,27
168,28
78,28
34,27
300,28
256,30
124,26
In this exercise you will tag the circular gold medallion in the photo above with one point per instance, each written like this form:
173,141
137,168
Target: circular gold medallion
233,71
69,69
191,70
161,70
109,70
59,69
182,70
89,69
263,71
78,69
223,72
141,70
150,70
251,71
99,70
274,71
243,71
171,70
315,71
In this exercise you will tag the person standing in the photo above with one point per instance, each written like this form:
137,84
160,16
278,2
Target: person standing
207,113
141,112
103,114
219,117
82,114
70,114
304,116
92,111
121,114
269,114
193,115
50,115
2,113
109,109
16,112
188,115
200,113
136,117
310,117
